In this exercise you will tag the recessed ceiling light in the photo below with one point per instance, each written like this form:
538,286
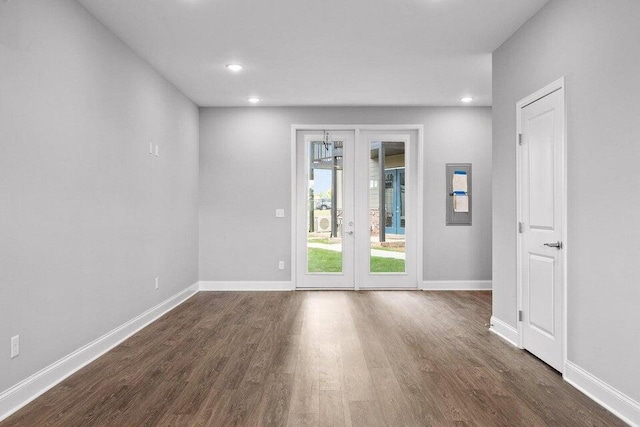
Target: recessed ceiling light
467,99
253,99
234,67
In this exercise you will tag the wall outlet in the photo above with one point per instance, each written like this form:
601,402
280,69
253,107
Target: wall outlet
15,346
157,282
279,213
281,265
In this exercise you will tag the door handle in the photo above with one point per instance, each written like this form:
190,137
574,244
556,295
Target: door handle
557,245
350,233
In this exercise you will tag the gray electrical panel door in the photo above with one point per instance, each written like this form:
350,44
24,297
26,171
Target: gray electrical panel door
459,202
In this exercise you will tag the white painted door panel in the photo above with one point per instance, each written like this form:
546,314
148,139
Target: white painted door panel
541,207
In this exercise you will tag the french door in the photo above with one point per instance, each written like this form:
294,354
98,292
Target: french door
324,215
356,216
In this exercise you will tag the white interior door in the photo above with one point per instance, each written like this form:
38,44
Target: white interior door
325,209
541,217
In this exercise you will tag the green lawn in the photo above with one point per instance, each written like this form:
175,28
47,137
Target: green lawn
386,265
326,261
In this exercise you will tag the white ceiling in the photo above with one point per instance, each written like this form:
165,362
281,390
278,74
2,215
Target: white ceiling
320,52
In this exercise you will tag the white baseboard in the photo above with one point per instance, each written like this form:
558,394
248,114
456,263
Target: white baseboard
504,331
624,407
245,286
456,285
28,389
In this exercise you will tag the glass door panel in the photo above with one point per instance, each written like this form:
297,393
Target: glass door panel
324,210
386,205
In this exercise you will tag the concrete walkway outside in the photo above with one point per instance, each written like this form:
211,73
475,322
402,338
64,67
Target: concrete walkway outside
374,252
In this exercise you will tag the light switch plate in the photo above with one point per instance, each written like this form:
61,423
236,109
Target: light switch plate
279,213
15,346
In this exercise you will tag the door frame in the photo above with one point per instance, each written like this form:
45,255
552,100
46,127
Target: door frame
419,128
547,90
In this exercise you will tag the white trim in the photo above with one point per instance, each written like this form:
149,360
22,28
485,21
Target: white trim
357,273
296,127
621,405
357,128
456,285
30,388
547,90
504,331
294,207
565,226
420,210
240,286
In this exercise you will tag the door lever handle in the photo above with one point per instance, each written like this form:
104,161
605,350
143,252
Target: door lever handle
349,232
557,245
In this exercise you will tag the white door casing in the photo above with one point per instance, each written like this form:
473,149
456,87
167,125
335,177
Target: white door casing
542,242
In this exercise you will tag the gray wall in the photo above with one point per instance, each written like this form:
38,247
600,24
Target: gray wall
595,44
88,218
245,175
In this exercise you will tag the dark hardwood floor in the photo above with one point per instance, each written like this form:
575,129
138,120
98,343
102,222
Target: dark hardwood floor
317,358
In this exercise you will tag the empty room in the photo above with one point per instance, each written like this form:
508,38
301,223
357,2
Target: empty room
319,213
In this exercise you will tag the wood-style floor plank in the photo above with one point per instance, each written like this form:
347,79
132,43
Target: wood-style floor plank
317,359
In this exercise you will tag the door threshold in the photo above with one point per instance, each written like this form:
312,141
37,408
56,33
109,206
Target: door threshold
360,289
